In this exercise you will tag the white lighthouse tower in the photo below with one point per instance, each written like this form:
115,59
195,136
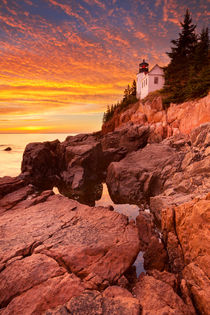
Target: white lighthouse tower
149,81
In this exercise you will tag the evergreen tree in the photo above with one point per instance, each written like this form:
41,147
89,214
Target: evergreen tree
133,88
199,78
129,97
177,72
200,58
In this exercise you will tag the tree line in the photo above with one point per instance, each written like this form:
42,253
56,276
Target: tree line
129,97
187,75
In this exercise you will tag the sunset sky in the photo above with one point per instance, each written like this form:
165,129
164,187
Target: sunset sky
63,61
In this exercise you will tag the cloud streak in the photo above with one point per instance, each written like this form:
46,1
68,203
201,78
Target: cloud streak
78,56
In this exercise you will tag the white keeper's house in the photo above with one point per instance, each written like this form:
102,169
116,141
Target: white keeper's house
148,81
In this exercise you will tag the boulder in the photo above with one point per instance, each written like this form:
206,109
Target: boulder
186,233
13,198
158,298
40,163
141,174
113,300
9,184
53,248
74,166
155,256
130,136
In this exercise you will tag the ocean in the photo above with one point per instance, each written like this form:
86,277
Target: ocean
10,161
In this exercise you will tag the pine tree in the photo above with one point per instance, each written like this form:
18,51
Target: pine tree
177,72
133,88
200,58
199,78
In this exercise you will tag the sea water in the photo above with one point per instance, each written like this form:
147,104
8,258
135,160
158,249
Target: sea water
10,161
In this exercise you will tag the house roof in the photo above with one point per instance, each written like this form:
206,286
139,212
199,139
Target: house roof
155,66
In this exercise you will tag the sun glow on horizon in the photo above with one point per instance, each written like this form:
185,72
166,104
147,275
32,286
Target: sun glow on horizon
62,62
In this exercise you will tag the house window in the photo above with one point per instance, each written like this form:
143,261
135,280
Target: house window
155,80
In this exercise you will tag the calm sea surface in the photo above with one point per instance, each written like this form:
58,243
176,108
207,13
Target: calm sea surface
10,161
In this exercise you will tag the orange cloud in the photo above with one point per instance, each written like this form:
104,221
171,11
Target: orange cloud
76,57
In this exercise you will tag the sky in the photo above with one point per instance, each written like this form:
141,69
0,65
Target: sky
63,61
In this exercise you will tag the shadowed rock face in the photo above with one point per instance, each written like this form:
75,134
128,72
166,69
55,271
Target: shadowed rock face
78,165
141,174
74,166
40,163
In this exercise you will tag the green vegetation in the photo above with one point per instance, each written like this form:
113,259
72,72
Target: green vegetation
187,76
129,97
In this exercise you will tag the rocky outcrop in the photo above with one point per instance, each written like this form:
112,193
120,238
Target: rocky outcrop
186,233
142,174
53,248
9,184
73,166
131,137
114,300
164,174
40,163
158,297
155,254
58,256
78,165
192,178
182,118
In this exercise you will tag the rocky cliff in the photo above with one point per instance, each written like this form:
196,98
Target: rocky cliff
182,118
62,255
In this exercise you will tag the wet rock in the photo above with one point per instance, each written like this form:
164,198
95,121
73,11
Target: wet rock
155,255
158,297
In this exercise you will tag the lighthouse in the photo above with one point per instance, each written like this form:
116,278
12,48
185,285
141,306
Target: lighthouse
149,81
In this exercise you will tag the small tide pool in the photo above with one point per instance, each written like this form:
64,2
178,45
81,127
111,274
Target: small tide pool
131,211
